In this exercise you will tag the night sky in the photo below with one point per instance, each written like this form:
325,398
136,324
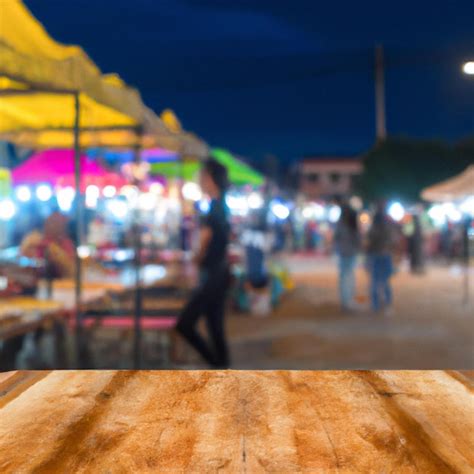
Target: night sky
290,78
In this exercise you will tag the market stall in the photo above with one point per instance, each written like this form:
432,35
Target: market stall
49,86
22,315
456,196
237,421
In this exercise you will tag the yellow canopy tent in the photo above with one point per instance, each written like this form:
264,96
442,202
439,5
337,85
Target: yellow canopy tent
152,130
189,145
39,77
47,86
153,134
52,95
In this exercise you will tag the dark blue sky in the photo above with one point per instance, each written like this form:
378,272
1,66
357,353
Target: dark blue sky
279,76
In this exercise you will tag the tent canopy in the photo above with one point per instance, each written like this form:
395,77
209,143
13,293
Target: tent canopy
37,79
34,66
153,134
187,170
239,173
151,155
56,167
453,189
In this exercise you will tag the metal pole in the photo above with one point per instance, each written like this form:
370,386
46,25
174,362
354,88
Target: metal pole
137,243
78,226
181,179
466,255
380,94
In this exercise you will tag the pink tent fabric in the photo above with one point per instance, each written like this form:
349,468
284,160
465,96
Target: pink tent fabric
56,167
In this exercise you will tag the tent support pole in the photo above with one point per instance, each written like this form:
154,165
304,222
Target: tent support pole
466,252
137,243
78,230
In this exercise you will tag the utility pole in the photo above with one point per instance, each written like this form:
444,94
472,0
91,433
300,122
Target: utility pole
381,127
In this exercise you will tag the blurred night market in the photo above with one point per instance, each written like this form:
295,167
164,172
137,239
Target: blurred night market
333,257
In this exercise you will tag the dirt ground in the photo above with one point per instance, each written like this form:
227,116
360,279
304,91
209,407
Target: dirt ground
430,326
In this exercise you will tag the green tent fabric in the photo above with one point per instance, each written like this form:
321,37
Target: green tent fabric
175,169
239,173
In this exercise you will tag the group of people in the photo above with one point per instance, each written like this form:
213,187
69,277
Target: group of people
209,297
378,246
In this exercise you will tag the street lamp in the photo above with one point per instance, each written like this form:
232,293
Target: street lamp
468,68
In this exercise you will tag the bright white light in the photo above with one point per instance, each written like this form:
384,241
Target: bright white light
255,200
123,255
467,206
334,213
84,251
92,196
147,201
237,204
110,191
118,207
156,188
396,211
468,68
65,197
436,213
308,212
455,215
7,210
280,210
192,191
23,193
450,211
318,211
44,192
314,211
204,206
130,192
92,190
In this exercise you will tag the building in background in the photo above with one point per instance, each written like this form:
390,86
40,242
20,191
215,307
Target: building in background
328,177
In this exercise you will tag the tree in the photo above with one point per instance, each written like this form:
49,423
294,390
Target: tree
399,168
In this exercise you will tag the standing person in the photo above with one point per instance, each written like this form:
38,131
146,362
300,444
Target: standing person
415,246
209,297
347,244
380,247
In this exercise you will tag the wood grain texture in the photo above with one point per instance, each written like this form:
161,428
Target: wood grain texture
232,421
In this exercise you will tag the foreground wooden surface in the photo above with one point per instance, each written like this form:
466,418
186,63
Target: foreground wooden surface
204,421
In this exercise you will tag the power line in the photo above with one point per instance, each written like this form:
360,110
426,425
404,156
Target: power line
265,71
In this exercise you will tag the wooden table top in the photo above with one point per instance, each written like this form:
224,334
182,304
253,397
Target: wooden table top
27,304
236,421
22,314
98,285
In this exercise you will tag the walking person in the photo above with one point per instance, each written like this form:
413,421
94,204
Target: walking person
380,247
347,245
209,297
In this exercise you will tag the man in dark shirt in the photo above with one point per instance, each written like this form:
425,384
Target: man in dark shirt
216,221
209,297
